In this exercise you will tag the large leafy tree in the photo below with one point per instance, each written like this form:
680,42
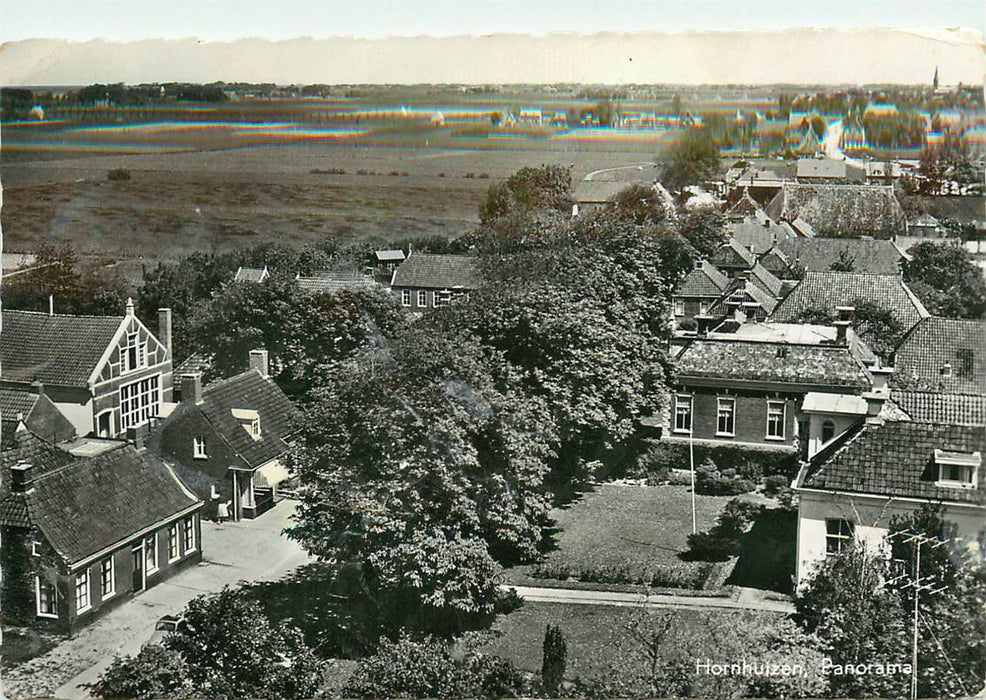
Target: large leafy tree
544,189
640,203
945,278
691,159
704,229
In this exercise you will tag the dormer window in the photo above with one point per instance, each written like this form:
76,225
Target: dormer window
958,469
249,420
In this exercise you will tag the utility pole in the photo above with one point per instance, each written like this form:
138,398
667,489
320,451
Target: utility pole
691,459
919,585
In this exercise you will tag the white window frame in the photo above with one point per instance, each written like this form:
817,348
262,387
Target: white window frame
150,550
109,432
842,539
133,342
703,307
721,402
684,400
37,599
188,534
405,297
143,404
83,592
198,447
827,421
422,298
111,591
945,478
679,307
35,548
772,405
174,537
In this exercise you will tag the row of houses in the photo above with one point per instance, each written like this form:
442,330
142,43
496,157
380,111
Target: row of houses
109,461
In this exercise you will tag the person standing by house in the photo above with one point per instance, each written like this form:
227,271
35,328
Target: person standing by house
222,514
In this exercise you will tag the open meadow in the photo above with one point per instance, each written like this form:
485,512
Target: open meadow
295,172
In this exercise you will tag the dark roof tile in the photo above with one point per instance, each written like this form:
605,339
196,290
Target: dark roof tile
877,257
931,344
430,271
840,210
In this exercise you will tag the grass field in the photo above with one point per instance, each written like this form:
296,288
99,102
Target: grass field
200,187
631,532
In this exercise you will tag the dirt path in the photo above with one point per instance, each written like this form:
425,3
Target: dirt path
746,599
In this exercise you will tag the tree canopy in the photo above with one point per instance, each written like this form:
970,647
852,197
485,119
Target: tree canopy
946,280
691,159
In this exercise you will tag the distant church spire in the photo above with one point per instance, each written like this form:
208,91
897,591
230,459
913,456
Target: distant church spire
934,83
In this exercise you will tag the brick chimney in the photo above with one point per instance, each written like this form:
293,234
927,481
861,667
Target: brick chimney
21,477
946,369
841,332
845,312
130,306
874,406
191,387
164,327
138,435
259,361
881,379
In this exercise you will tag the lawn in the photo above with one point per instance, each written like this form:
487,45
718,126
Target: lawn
629,534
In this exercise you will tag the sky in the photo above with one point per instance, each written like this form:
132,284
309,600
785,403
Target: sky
73,42
227,20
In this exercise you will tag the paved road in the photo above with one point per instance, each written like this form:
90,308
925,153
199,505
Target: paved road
252,550
748,599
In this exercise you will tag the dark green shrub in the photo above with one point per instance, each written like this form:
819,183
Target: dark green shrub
675,455
554,651
774,484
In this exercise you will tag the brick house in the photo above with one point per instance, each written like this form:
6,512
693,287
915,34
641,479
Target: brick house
748,387
732,258
228,440
79,536
105,374
426,281
883,467
702,287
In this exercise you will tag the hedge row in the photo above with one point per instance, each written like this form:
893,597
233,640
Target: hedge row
663,456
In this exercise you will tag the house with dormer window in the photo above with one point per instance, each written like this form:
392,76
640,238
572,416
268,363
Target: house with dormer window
228,440
106,374
888,465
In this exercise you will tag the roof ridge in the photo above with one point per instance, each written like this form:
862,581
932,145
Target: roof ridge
45,314
219,383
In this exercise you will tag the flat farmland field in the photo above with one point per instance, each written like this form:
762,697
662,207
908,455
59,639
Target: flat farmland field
226,185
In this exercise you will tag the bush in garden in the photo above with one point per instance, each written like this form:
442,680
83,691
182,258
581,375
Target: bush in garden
774,484
723,540
712,482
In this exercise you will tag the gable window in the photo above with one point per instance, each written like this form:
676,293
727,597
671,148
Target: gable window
82,591
683,413
107,582
188,533
422,298
46,597
173,551
679,307
134,352
703,307
725,416
958,469
839,535
198,447
405,297
150,553
776,412
139,402
249,420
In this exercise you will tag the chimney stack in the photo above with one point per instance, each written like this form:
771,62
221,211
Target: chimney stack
164,327
881,380
137,435
946,369
874,407
259,361
130,306
38,387
703,321
841,332
51,304
845,312
191,387
21,477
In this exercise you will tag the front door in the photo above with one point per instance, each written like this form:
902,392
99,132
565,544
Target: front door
138,557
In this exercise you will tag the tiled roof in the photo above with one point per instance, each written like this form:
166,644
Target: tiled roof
704,281
196,363
744,206
758,236
431,271
827,290
895,459
26,446
931,344
389,255
331,282
732,254
279,419
766,280
59,349
815,365
91,504
251,274
935,407
878,257
743,290
13,402
822,167
840,210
